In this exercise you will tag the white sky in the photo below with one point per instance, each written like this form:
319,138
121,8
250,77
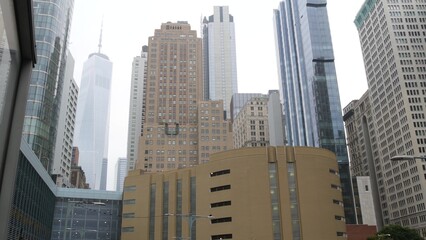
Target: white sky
127,24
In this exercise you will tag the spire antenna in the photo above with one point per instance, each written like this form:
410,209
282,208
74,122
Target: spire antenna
100,36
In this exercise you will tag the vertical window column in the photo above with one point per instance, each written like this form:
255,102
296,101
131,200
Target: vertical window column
179,208
193,208
165,210
294,205
275,201
152,213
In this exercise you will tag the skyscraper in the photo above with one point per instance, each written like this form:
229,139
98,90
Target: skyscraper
176,120
392,36
65,134
52,22
219,52
121,173
308,84
92,120
137,107
173,90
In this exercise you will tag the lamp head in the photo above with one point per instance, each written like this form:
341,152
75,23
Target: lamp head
402,158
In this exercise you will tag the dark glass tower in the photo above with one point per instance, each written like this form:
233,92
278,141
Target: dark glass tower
308,84
52,22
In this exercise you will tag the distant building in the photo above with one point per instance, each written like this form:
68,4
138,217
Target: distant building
78,178
104,174
219,52
137,107
259,122
239,100
252,193
308,84
75,157
65,133
92,120
251,124
276,120
121,173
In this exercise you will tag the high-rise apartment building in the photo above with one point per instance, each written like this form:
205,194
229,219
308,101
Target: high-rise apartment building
219,52
250,193
137,107
92,120
176,118
121,173
392,35
65,134
308,84
52,22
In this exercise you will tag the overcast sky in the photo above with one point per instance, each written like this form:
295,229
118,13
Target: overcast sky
127,24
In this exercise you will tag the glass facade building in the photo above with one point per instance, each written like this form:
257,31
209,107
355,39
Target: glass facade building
31,215
308,83
87,214
52,22
92,118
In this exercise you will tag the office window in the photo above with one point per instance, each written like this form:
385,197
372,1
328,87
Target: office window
220,204
221,220
220,188
218,173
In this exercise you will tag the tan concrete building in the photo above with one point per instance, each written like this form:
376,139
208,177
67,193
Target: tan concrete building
173,93
251,193
251,124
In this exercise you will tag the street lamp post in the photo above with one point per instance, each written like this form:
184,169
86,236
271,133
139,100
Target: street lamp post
407,158
191,218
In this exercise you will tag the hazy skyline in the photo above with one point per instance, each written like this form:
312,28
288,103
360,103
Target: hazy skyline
127,26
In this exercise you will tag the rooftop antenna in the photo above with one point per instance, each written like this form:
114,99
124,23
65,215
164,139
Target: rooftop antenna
100,36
